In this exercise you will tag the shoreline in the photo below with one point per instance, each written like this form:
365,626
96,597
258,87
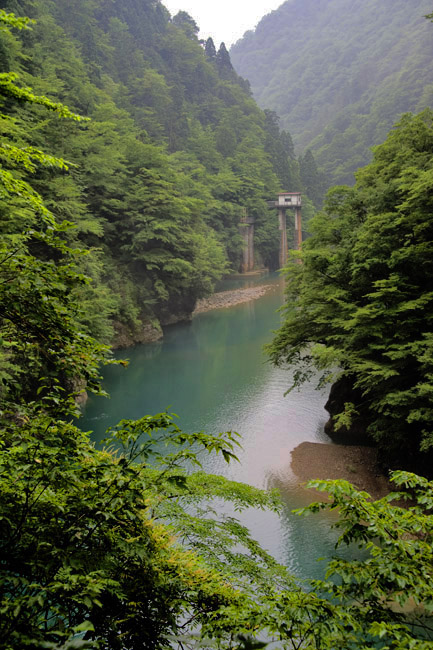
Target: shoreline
230,298
153,331
354,463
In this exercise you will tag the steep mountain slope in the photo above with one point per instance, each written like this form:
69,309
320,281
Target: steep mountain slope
340,72
175,150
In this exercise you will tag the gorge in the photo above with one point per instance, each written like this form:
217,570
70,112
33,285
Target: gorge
214,375
117,215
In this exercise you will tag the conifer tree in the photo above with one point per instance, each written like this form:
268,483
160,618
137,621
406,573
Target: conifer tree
210,49
311,178
224,64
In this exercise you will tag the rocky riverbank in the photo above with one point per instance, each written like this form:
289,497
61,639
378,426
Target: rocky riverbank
149,332
230,298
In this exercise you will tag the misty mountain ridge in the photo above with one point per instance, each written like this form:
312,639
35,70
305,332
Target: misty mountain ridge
339,73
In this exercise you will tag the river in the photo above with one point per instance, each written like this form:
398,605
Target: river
214,375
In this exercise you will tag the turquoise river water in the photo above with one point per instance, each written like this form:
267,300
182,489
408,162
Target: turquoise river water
214,375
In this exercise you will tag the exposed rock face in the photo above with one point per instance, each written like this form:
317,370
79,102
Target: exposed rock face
152,330
179,317
82,398
388,456
78,386
125,337
341,393
176,310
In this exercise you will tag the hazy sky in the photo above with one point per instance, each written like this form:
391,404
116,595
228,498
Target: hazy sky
224,20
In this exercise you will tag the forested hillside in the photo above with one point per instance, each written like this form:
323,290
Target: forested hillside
156,182
360,306
121,548
339,73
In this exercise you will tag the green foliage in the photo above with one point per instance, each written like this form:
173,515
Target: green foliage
9,89
312,180
120,548
183,20
280,148
44,352
210,49
8,20
223,63
86,559
340,74
389,594
359,306
169,124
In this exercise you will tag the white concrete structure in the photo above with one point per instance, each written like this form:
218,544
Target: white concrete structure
289,199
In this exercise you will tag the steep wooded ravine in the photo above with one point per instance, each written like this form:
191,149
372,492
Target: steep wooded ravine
121,548
175,150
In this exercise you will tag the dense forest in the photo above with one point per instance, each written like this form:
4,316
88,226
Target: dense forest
120,217
156,182
340,74
359,307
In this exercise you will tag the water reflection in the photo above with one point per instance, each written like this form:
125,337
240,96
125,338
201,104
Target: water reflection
214,375
306,542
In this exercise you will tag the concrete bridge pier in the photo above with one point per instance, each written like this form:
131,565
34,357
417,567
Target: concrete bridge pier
298,229
285,201
246,229
283,237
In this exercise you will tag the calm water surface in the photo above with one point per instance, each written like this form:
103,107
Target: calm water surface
214,375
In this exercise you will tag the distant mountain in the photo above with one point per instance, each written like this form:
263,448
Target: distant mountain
340,72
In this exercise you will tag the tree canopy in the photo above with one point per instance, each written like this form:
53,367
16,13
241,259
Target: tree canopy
160,176
120,548
359,306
